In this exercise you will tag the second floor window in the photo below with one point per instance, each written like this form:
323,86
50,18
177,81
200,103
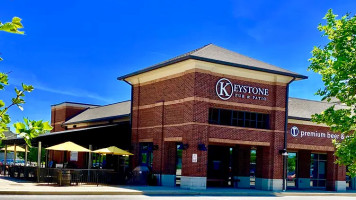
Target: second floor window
238,118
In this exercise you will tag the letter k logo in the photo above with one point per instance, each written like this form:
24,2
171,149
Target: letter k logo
224,89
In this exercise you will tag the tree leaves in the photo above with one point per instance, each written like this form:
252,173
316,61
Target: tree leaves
336,63
30,129
13,26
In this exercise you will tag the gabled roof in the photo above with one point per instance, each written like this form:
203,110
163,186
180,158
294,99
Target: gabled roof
99,113
303,109
215,54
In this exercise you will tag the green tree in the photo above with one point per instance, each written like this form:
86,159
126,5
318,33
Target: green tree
32,154
336,63
29,128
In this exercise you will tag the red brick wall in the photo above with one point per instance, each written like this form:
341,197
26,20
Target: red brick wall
304,157
334,172
59,114
179,107
242,160
317,141
188,118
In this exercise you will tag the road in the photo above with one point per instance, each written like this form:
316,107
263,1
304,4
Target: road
142,197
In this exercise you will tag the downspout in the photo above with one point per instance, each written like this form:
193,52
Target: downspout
162,143
131,102
130,114
284,152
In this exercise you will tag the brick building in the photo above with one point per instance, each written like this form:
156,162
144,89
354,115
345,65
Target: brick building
82,123
210,117
213,117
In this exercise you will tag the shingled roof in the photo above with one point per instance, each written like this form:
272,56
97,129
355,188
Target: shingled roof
219,55
303,108
99,113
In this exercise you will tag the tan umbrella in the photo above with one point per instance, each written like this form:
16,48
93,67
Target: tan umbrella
12,148
113,150
68,146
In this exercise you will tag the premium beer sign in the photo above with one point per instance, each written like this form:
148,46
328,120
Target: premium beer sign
225,89
294,131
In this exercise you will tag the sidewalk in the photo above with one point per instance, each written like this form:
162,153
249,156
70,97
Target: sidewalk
19,187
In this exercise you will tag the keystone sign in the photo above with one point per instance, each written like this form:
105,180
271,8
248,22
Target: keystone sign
295,132
225,90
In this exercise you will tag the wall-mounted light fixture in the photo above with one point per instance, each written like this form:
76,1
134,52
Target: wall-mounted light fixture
283,152
202,147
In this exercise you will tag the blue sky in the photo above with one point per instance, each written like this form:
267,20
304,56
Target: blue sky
75,50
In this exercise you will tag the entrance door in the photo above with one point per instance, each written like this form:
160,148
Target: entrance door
179,163
292,169
318,170
218,165
253,168
146,154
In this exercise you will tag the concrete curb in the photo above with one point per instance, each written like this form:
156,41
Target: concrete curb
68,193
175,193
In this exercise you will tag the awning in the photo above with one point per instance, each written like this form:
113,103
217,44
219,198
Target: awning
68,146
118,134
113,150
12,148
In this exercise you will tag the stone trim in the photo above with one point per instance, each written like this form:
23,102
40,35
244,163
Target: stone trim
195,70
229,141
309,147
193,183
168,180
146,140
303,183
269,184
340,186
206,124
207,100
173,139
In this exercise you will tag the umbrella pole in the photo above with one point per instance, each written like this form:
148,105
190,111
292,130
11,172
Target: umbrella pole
39,161
26,150
5,159
15,154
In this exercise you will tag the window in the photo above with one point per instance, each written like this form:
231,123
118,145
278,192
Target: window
318,170
213,116
225,117
146,154
238,118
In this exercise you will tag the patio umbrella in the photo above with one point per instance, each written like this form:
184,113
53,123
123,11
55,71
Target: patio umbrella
12,148
113,150
68,146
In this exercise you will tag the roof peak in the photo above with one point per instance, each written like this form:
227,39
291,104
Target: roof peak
215,54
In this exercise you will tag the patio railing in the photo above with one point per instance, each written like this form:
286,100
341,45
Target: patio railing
64,176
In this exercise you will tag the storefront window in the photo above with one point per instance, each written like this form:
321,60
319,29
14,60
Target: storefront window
318,170
146,154
238,118
292,169
253,157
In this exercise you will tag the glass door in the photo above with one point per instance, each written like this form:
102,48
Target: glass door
318,170
292,169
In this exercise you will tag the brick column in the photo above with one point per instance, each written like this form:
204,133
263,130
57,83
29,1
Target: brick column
169,164
269,168
158,118
335,175
134,160
241,165
194,174
303,173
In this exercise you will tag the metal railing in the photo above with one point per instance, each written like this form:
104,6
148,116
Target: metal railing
64,176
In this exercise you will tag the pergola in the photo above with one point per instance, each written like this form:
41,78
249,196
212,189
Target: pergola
91,137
